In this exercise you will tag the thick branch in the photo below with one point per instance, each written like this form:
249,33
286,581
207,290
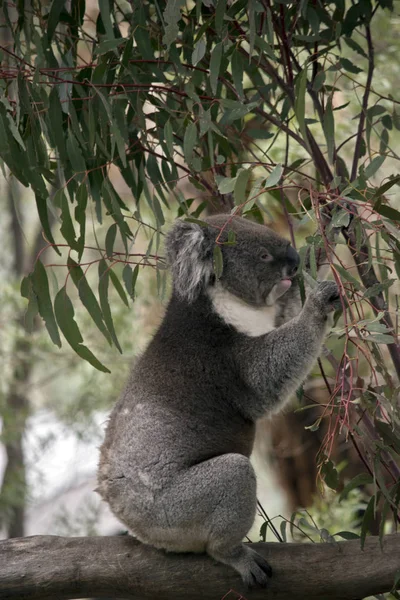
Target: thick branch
48,567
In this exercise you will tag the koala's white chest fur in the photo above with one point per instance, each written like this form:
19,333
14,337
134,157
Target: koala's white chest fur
247,319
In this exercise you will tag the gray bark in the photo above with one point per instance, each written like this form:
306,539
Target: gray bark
50,567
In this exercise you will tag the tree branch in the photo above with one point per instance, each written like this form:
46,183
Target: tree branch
48,567
364,108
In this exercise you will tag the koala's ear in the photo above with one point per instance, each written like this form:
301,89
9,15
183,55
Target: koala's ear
189,249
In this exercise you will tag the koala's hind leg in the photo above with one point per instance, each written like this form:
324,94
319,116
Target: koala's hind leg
216,500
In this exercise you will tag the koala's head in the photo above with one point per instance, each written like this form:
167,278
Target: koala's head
257,268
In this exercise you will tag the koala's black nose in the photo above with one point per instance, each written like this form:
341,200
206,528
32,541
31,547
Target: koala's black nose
293,261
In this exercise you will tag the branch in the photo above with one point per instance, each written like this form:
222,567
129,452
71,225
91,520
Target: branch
364,107
48,567
368,277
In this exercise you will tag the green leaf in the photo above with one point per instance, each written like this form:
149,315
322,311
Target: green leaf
313,262
219,15
75,155
226,185
198,51
348,66
385,187
236,110
189,142
105,12
172,15
340,218
120,290
300,103
104,303
274,177
65,319
55,116
169,139
130,278
54,17
28,292
240,188
357,481
330,474
355,46
367,520
218,261
388,212
108,45
41,205
347,276
257,133
373,166
347,535
377,288
87,297
215,64
329,130
380,338
80,217
40,285
319,81
110,240
237,71
67,227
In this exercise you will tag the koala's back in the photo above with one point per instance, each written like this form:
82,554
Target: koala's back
177,410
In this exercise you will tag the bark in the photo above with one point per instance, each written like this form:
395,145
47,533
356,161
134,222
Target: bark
49,567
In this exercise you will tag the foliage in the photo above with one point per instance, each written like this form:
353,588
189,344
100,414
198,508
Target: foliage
263,108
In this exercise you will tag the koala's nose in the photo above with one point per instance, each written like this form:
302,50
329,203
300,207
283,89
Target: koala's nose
293,261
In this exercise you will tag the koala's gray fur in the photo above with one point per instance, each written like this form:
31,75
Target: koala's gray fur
174,465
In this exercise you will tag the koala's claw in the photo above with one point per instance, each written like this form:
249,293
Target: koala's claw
258,572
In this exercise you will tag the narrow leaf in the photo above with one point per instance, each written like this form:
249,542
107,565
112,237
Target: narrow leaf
104,303
237,72
386,186
54,17
87,297
120,290
367,520
300,103
27,291
242,180
215,64
65,319
388,212
218,261
41,289
198,51
110,239
373,166
130,278
347,276
329,129
189,142
357,481
274,177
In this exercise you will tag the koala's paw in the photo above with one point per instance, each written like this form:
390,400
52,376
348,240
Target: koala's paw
325,297
255,570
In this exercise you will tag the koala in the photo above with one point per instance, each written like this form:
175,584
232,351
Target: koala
174,466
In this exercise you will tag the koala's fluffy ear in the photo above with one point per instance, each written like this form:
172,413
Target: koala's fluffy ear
189,249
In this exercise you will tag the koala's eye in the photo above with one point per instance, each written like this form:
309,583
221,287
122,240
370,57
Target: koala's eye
265,256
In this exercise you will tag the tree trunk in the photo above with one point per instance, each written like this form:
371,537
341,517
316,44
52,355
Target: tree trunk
49,567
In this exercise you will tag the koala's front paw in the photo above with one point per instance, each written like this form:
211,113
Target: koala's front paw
325,297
